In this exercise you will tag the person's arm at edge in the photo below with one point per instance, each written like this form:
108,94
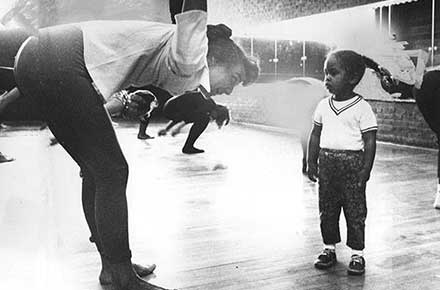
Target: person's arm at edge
312,162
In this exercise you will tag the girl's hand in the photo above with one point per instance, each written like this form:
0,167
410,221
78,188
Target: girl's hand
312,171
364,176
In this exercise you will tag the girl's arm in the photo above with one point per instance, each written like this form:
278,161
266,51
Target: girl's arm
315,137
370,152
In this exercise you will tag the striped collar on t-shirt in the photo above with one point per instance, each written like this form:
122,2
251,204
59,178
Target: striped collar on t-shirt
337,111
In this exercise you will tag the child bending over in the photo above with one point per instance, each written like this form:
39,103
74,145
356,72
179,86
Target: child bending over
193,108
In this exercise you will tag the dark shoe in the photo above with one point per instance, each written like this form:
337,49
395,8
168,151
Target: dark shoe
144,136
326,259
5,158
356,266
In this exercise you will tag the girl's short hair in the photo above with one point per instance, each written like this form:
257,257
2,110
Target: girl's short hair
355,64
226,52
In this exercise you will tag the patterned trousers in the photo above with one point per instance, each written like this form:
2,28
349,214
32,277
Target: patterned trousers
339,189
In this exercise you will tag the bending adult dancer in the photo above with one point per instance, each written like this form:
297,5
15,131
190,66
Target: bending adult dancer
428,101
65,72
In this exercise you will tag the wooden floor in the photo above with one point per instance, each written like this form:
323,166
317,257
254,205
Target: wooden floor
239,217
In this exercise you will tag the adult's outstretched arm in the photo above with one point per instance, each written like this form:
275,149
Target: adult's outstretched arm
194,5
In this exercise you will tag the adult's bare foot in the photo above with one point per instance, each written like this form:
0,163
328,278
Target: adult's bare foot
5,158
125,278
105,277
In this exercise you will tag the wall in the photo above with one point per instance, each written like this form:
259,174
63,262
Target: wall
244,12
399,121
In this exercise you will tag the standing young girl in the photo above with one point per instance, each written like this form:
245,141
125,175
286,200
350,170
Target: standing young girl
343,139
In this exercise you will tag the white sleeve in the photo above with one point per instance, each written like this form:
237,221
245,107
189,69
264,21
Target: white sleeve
317,116
189,44
367,120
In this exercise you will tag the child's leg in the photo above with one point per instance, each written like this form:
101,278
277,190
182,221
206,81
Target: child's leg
329,209
354,204
329,201
355,210
196,130
143,124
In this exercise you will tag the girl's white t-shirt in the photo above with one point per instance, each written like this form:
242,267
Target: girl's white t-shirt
343,122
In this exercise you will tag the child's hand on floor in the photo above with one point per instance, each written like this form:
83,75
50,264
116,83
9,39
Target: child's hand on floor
312,172
162,132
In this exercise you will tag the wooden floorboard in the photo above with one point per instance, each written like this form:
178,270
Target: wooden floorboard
240,216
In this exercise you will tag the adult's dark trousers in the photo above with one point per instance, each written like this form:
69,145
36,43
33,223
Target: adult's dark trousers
428,101
11,40
57,89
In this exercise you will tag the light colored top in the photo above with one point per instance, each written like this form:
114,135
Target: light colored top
343,122
122,53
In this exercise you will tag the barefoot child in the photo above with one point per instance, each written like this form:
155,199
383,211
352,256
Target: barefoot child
161,97
193,108
343,140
